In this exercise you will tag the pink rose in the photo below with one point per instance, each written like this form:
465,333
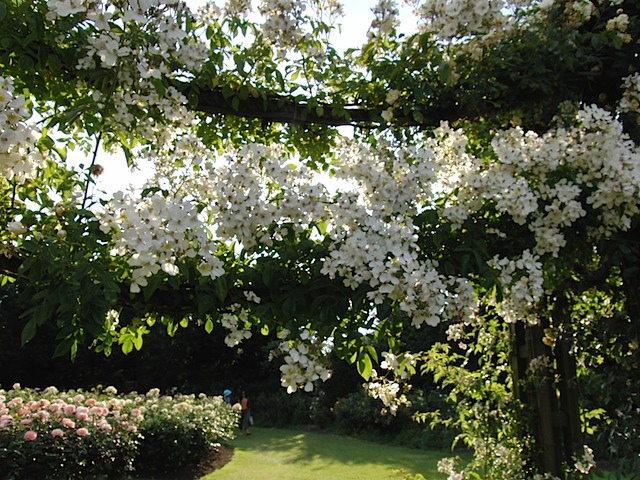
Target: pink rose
98,411
82,432
69,409
79,398
30,436
56,432
90,402
68,423
103,425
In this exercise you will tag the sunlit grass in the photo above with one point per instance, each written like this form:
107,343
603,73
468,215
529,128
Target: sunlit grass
268,454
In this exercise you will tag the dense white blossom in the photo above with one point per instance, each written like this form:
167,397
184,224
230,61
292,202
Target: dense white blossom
630,101
155,235
305,361
459,18
389,392
19,156
522,282
585,462
522,181
237,323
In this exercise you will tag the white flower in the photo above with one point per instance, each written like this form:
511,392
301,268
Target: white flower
16,228
546,4
387,115
392,97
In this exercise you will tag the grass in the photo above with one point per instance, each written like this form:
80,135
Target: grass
294,455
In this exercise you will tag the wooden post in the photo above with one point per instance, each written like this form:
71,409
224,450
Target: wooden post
553,407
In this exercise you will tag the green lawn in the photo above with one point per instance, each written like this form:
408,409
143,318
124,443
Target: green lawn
280,454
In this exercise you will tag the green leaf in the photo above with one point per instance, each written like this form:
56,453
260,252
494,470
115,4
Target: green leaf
152,285
127,346
364,365
137,341
26,63
289,307
220,287
235,103
29,331
68,346
206,304
172,328
208,326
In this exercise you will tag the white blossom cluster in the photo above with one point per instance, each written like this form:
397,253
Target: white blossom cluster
389,392
522,282
19,156
403,365
305,361
448,466
620,25
116,36
113,37
155,233
630,101
375,240
240,8
385,19
504,456
246,196
580,10
522,180
459,18
237,322
64,8
585,462
539,367
546,476
251,193
283,20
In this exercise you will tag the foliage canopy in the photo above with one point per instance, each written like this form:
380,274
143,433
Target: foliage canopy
492,175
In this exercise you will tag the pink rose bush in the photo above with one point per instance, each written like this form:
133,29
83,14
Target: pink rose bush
81,435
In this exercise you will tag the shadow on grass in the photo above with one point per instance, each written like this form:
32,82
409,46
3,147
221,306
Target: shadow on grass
329,455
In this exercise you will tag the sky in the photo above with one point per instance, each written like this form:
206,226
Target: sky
355,23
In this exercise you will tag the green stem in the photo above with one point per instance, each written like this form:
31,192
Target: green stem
93,161
14,191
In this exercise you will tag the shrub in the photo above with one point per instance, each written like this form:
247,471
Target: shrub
182,429
280,409
358,413
79,435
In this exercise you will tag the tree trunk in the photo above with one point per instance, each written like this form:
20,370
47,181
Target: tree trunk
552,401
